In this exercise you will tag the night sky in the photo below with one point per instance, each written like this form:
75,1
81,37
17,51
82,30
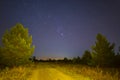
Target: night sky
63,28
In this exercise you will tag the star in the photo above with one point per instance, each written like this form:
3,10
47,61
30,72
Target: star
61,34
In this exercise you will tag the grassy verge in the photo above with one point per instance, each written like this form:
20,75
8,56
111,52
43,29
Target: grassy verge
91,73
16,73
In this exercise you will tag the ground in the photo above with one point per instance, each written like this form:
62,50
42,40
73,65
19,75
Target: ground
58,71
52,73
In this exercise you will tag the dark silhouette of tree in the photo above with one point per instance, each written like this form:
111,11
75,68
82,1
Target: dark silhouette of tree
65,59
33,59
49,59
76,60
117,59
16,46
86,58
103,52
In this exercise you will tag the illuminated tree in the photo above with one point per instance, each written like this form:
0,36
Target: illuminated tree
103,52
16,46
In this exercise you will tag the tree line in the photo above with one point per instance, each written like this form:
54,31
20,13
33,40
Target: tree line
17,48
102,54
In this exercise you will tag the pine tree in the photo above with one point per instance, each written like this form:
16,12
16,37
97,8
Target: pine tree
16,46
103,52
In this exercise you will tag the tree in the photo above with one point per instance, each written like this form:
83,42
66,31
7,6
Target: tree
65,59
16,46
86,58
76,60
117,58
103,52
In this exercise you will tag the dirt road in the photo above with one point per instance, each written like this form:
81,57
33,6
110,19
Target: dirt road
49,74
46,72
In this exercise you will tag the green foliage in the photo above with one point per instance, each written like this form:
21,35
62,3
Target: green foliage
16,46
103,52
86,58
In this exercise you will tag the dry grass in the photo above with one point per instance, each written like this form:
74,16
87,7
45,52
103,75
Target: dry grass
16,73
93,73
77,72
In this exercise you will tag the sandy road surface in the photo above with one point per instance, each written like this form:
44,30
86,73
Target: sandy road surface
49,74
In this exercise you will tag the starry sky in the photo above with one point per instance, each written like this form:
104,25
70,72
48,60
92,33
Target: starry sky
63,28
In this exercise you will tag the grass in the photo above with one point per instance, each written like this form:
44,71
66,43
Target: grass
75,71
92,73
16,73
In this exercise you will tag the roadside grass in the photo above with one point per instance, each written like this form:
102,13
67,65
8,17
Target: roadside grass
17,73
76,71
90,73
